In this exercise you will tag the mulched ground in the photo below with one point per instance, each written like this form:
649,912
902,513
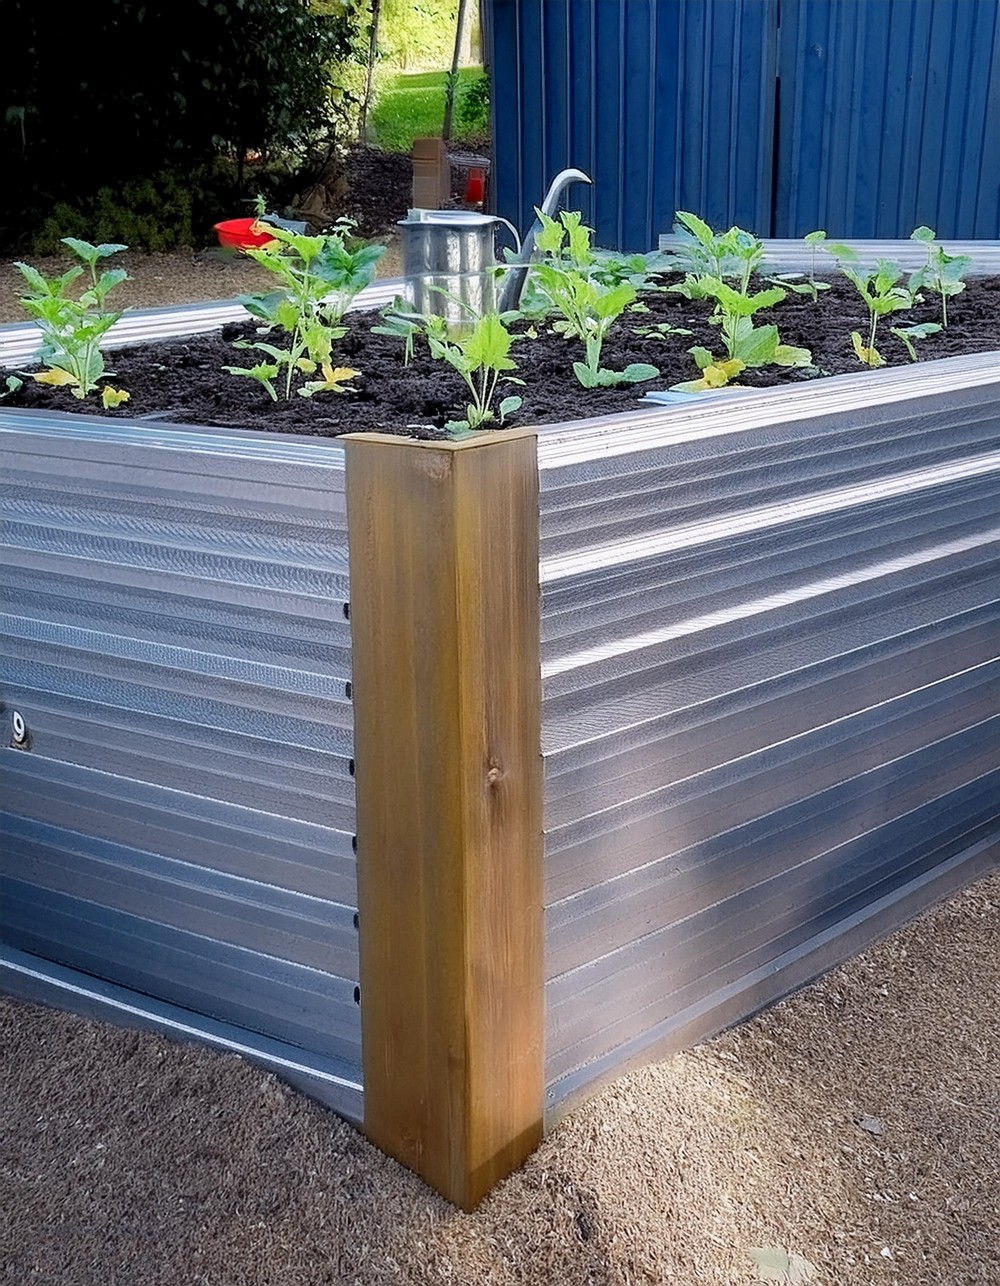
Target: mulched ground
183,380
856,1124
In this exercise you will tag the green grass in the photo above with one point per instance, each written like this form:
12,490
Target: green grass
412,106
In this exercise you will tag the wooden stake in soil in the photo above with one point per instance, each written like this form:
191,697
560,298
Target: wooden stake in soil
444,617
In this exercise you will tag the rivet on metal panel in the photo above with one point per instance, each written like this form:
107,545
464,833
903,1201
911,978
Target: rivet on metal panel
19,728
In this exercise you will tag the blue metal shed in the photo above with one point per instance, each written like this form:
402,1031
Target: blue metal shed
864,117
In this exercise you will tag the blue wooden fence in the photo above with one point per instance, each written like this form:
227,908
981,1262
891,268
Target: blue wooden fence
865,117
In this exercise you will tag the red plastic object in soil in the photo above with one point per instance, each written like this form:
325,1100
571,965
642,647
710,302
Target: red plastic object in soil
239,234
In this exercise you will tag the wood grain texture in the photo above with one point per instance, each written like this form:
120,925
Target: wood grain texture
445,621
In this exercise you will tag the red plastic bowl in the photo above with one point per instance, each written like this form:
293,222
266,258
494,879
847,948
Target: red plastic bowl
241,233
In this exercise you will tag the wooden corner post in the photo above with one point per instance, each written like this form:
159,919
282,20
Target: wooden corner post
444,618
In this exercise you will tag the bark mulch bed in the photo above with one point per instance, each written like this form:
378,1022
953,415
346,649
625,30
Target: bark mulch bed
183,381
856,1124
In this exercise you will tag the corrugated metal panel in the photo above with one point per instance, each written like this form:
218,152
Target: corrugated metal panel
784,255
771,694
176,640
863,117
889,117
665,105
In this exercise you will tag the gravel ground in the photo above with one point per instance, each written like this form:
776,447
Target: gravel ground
855,1124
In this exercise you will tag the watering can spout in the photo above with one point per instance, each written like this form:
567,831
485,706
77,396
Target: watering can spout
517,275
562,180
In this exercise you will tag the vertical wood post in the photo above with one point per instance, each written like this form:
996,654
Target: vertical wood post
444,618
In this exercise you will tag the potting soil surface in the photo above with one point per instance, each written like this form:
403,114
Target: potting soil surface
183,381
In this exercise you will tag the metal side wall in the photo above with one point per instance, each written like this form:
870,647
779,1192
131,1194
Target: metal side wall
771,695
178,822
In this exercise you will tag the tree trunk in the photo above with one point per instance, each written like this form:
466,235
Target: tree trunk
449,95
370,70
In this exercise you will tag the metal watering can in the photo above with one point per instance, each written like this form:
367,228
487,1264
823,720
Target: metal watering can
449,258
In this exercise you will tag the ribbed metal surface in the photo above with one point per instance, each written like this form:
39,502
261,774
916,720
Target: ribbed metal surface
888,117
863,117
176,641
782,254
665,105
771,693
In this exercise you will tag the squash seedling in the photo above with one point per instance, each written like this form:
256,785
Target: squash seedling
745,344
942,273
882,294
317,277
711,256
907,335
72,328
480,355
567,278
810,286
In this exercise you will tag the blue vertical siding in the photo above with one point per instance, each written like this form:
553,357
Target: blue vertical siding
646,97
889,117
866,117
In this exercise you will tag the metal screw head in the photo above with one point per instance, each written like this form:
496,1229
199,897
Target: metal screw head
19,728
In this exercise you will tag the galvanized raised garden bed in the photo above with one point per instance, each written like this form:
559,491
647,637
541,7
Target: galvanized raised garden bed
448,779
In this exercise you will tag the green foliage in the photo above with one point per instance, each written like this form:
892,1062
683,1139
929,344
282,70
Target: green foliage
317,278
417,32
412,106
480,354
72,327
156,87
907,335
473,110
879,288
588,293
941,273
736,255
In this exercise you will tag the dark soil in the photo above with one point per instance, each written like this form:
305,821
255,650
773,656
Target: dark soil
182,380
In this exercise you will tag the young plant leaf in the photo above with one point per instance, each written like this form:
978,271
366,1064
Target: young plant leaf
869,355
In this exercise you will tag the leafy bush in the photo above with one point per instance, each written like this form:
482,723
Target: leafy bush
167,210
131,89
473,110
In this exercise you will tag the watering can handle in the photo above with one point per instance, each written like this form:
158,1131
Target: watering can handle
513,231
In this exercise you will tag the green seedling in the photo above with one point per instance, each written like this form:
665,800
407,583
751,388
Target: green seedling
882,294
480,354
745,344
907,335
709,256
941,273
567,279
810,287
400,322
72,328
317,278
661,331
